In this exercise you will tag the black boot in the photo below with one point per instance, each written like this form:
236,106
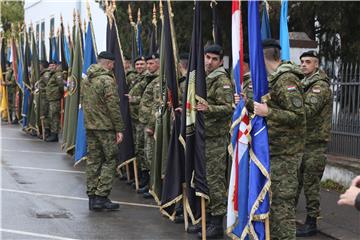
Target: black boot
91,202
308,229
144,179
100,203
179,215
147,195
143,189
52,138
15,121
214,229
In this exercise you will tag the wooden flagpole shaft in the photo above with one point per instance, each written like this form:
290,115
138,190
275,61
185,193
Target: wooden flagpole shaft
186,220
8,105
62,113
127,172
267,228
43,128
203,219
136,175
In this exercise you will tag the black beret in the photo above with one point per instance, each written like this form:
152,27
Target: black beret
184,56
106,55
44,63
52,61
270,43
215,49
152,56
311,53
139,58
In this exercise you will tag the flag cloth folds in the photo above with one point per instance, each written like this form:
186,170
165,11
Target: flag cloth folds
193,124
74,93
238,149
265,23
90,54
4,95
259,165
126,153
153,34
138,36
216,31
284,32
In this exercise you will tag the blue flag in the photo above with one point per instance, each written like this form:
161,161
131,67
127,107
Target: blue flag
259,165
89,58
67,51
139,43
265,24
284,32
54,50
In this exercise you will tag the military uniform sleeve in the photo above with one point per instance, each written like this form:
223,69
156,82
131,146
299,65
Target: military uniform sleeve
224,99
316,97
147,102
112,102
290,109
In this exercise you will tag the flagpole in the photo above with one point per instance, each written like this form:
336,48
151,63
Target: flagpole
186,220
203,219
267,228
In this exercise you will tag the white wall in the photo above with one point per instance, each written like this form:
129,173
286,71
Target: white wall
37,11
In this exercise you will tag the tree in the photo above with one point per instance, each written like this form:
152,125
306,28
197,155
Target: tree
12,12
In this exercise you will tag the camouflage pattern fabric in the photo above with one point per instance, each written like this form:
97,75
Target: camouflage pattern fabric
217,125
286,125
100,100
101,161
54,116
55,86
318,107
45,76
131,78
11,87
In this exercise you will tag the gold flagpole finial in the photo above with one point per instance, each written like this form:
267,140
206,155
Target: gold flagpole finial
113,5
78,16
129,13
161,9
154,15
88,9
139,16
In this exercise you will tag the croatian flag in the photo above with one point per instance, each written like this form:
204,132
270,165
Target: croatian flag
238,194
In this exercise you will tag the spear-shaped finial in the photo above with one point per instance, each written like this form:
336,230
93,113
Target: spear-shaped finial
139,16
88,10
161,10
129,13
74,16
61,18
154,15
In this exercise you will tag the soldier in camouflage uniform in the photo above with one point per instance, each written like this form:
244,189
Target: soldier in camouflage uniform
318,107
46,72
145,115
11,89
104,126
54,93
132,75
217,116
285,114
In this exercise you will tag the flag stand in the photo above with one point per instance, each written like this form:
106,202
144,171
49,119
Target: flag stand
127,172
186,220
203,219
267,228
43,128
136,175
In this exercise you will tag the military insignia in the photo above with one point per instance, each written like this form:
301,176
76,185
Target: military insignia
296,101
250,86
313,99
291,88
316,90
226,86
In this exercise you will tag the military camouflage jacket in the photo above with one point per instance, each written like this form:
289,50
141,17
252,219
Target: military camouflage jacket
45,76
136,93
318,107
131,78
147,104
10,78
100,100
55,86
286,117
220,99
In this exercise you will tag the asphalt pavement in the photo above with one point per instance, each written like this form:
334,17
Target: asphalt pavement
43,197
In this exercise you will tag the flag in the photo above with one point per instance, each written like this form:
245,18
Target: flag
174,174
26,83
54,50
89,58
236,215
259,165
138,36
4,96
126,152
284,32
216,31
193,125
3,56
265,23
64,61
35,76
73,93
153,34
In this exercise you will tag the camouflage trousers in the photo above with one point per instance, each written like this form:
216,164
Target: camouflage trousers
44,110
310,174
148,150
54,116
139,137
284,184
101,161
215,155
12,101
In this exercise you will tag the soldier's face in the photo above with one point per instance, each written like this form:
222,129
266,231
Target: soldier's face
52,66
212,62
109,65
309,65
140,66
152,65
127,64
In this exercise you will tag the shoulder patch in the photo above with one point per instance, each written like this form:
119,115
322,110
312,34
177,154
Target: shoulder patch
313,99
297,102
226,86
291,88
